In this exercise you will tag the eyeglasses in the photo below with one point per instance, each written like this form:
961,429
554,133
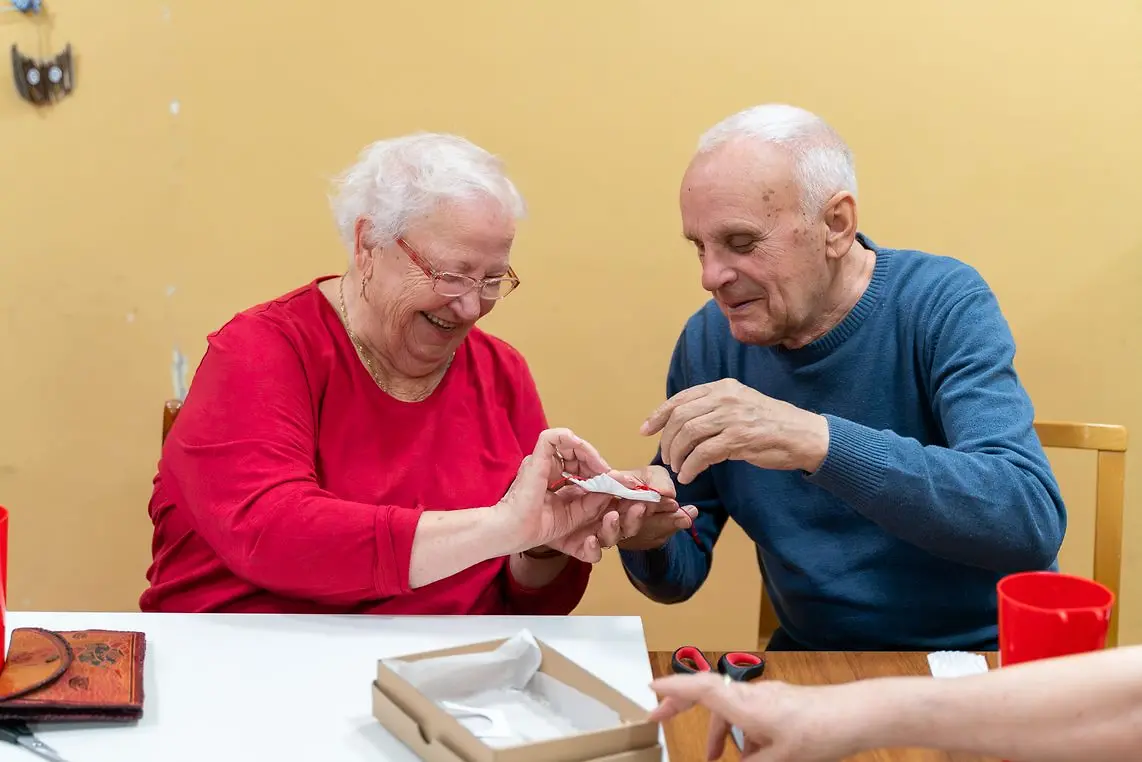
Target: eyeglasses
454,285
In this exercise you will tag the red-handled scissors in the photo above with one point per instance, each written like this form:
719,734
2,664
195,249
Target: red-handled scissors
738,666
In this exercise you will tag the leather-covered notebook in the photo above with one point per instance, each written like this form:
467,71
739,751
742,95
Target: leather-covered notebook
76,676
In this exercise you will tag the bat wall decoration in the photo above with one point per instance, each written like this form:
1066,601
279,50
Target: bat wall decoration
43,82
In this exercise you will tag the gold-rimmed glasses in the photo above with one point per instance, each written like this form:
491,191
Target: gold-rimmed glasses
455,285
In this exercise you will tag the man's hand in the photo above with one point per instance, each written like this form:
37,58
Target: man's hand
726,420
645,526
780,722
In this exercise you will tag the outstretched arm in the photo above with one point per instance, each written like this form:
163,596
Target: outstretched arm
673,571
664,564
1086,707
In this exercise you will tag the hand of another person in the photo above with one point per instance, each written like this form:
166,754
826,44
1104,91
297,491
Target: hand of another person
781,722
726,420
569,519
644,525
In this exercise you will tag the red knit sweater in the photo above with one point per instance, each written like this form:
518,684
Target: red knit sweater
291,483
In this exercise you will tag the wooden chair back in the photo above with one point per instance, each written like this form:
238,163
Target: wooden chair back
1109,441
170,412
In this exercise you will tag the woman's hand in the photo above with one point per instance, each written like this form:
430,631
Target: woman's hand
780,722
569,519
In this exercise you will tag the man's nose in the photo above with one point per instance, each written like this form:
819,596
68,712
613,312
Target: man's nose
715,274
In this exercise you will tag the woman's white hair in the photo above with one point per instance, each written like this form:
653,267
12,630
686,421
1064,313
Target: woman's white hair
399,180
823,162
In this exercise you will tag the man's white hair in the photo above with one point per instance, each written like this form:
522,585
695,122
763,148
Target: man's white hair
399,180
823,162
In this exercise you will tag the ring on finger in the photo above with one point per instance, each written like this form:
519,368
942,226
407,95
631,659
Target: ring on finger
562,462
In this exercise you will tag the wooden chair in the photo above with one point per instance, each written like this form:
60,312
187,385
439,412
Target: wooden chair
170,412
1109,441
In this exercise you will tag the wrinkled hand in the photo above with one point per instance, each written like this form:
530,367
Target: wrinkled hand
643,525
588,541
726,420
780,722
570,519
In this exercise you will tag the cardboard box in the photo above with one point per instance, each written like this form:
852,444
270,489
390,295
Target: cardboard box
437,736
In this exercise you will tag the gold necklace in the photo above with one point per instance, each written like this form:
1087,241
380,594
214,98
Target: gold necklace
368,360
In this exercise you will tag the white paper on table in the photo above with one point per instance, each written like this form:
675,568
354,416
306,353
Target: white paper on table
608,485
956,664
503,698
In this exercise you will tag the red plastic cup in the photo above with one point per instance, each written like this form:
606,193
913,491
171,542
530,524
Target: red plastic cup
1047,614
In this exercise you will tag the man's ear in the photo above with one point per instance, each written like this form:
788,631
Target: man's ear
840,217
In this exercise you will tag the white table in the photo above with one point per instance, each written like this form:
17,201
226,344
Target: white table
251,687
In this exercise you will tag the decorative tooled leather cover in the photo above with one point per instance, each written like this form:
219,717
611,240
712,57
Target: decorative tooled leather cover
73,676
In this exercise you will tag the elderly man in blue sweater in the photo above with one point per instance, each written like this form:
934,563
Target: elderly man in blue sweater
854,408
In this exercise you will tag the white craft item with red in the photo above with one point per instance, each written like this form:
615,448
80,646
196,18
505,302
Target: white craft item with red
608,485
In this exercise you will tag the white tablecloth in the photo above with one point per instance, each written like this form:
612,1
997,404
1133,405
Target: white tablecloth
222,687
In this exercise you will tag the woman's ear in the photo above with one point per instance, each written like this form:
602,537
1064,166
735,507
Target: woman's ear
362,247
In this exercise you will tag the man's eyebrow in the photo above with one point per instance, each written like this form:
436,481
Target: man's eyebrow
732,232
722,234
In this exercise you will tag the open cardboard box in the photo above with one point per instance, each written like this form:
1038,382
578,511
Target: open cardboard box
436,736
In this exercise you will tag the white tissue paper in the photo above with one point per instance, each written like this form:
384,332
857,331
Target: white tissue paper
956,664
608,485
502,698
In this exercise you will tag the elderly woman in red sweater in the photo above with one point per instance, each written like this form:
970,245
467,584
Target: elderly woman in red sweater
355,445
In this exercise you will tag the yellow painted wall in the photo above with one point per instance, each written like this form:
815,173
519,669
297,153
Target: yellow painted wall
1004,133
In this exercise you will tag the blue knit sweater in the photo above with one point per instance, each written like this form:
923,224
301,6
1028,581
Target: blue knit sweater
935,484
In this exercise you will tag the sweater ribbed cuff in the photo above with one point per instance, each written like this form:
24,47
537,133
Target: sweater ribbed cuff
647,566
856,465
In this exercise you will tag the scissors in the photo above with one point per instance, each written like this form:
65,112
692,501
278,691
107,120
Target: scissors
17,732
735,666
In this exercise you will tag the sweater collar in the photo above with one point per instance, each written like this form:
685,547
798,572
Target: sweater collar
857,315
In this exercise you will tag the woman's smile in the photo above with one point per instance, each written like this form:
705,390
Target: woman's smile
440,323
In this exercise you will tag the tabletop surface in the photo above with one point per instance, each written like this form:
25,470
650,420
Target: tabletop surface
224,687
686,733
